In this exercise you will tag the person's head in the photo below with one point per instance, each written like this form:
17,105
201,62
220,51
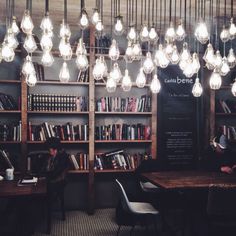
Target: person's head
53,145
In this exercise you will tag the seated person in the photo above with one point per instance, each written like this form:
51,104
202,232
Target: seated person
221,157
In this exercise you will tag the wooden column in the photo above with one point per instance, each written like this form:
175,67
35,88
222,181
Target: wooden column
154,126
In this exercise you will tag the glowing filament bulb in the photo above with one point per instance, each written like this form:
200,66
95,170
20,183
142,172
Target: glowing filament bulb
224,70
132,34
84,22
129,53
195,63
170,33
197,88
14,26
115,73
119,27
31,79
30,44
148,64
155,85
180,32
27,25
64,74
8,53
231,58
137,51
99,26
47,58
82,62
28,67
161,58
215,80
65,49
64,30
95,17
201,32
46,41
233,89
153,36
232,29
141,78
111,85
114,52
144,34
46,23
126,82
224,35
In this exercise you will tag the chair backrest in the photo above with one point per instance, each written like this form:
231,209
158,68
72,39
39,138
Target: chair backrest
124,199
221,201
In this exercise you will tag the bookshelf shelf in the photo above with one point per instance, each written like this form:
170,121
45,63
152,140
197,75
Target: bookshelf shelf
114,171
10,111
10,142
225,114
123,141
10,81
59,112
119,84
78,171
47,82
123,113
63,142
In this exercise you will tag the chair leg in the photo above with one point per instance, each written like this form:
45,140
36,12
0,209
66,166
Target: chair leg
118,231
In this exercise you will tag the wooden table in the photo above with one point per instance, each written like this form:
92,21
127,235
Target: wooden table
189,179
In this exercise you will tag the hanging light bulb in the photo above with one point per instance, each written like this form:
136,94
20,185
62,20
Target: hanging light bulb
28,67
148,64
141,78
64,30
215,80
81,48
99,26
201,32
10,39
115,73
126,82
144,34
27,25
119,27
84,21
46,23
218,60
46,41
30,44
161,58
8,53
197,88
155,85
64,74
0,54
129,53
224,35
169,49
132,35
185,57
232,29
209,55
233,89
224,70
195,63
180,32
100,69
111,85
114,51
137,51
231,58
170,33
153,36
95,17
188,70
31,79
82,62
14,26
47,58
174,57
65,49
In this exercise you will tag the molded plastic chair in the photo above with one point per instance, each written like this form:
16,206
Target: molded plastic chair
141,211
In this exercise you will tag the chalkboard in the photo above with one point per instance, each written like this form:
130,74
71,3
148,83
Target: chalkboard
177,120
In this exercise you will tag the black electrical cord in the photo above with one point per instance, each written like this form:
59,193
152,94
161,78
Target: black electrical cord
65,11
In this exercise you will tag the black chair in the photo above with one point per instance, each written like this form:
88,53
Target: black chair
140,212
221,209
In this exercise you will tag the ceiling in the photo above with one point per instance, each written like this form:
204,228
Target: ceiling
56,8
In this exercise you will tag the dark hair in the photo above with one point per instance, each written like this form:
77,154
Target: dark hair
53,142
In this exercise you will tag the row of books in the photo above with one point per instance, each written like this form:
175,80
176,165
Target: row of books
123,132
57,102
7,102
225,106
229,132
10,132
66,132
119,160
83,76
129,104
79,161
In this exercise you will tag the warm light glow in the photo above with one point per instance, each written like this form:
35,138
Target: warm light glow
46,23
195,63
232,29
175,57
119,27
218,60
209,55
8,53
231,58
126,82
141,78
100,69
153,36
95,17
144,34
215,80
27,25
46,42
169,50
170,33
224,35
28,67
137,51
201,32
47,58
31,80
10,39
132,34
81,48
188,69
148,64
99,26
111,85
185,57
233,89
155,85
30,44
65,30
129,53
84,21
64,74
82,62
0,54
14,26
160,57
65,49
114,51
115,73
224,70
197,88
180,32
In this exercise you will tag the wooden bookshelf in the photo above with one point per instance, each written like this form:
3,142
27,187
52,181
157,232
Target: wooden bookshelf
10,81
59,112
114,171
63,142
10,142
123,113
75,172
52,82
123,141
10,111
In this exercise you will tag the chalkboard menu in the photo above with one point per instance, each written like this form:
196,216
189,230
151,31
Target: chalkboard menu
177,120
